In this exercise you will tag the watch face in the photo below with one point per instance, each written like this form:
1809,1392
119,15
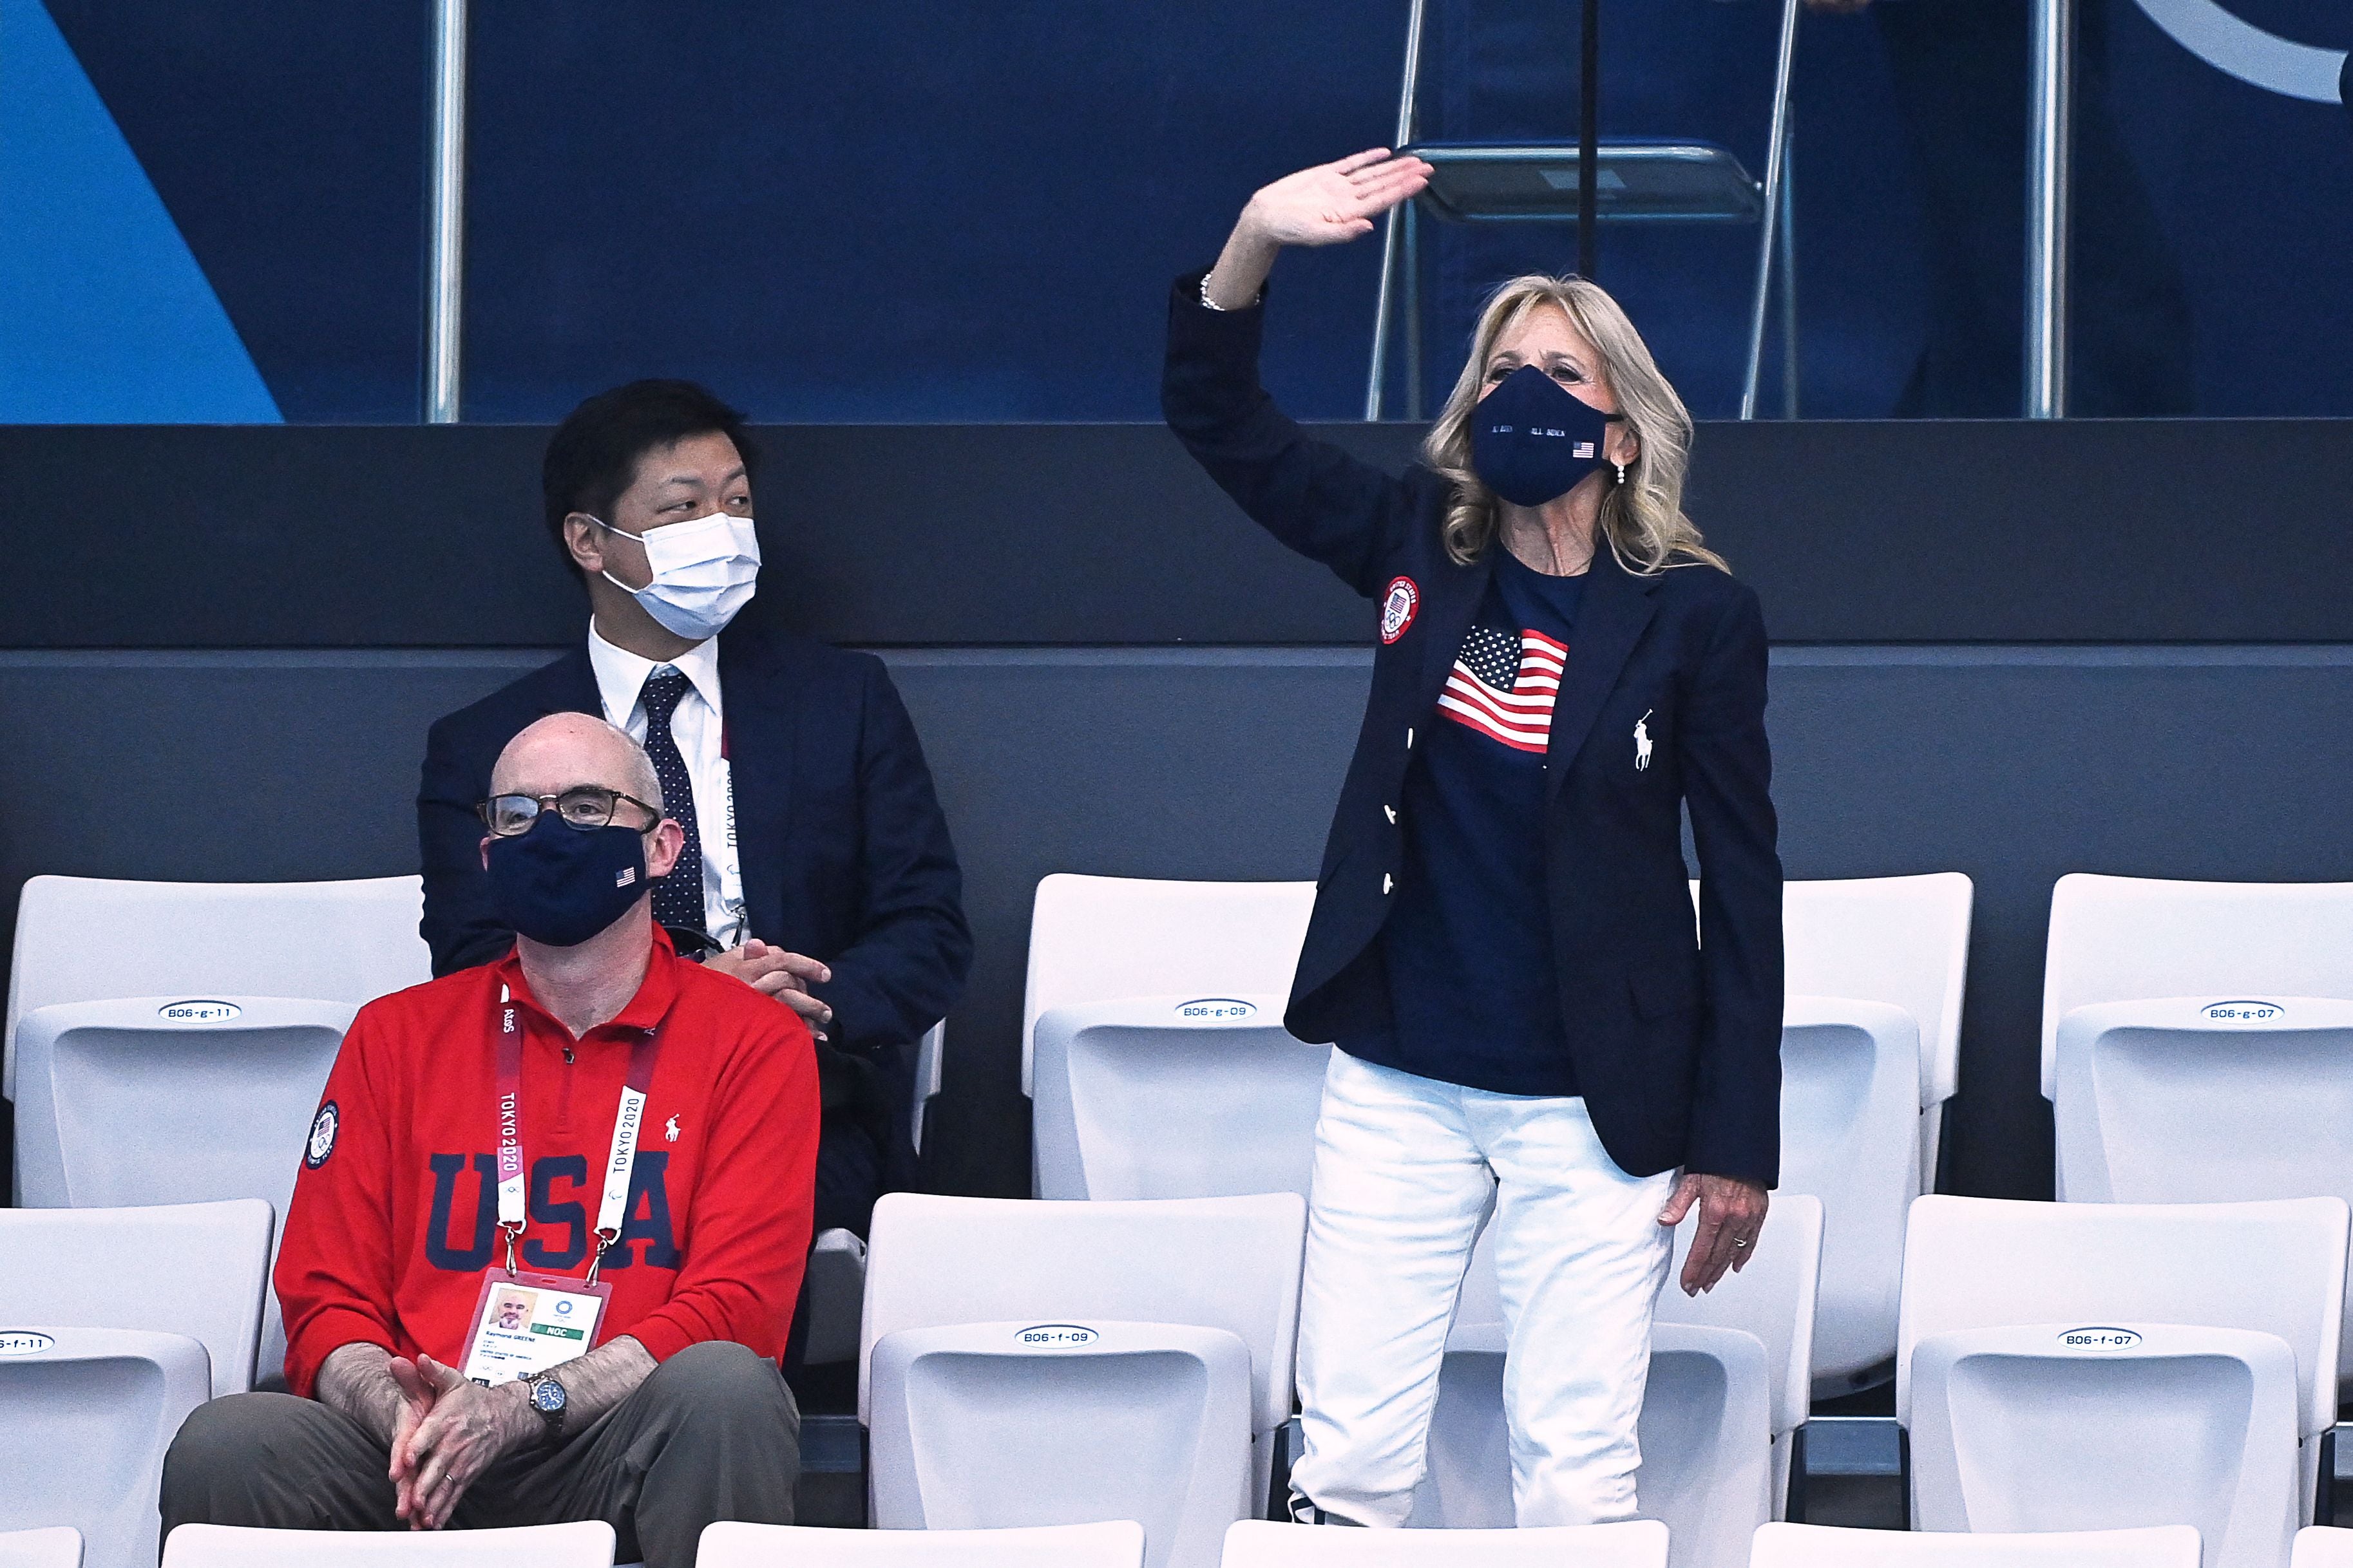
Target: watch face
547,1396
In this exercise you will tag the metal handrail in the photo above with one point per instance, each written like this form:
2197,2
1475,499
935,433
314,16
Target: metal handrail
445,283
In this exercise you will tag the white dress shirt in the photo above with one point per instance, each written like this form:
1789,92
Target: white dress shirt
699,729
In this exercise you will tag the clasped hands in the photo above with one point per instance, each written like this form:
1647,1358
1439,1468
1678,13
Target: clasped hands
450,1429
786,976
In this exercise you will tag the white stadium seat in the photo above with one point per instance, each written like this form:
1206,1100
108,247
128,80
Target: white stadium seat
1013,1351
1858,952
1105,938
1904,941
2207,1100
836,1297
987,1424
160,1100
1174,1096
1850,1138
2132,939
85,1418
1729,1386
2087,1367
2320,1546
60,1546
930,1068
1774,1297
584,1545
837,1262
1635,1543
1117,1543
88,939
1820,1546
200,1271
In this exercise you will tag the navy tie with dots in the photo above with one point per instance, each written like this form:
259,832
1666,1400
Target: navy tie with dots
678,898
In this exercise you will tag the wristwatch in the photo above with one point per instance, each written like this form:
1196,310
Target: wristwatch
548,1398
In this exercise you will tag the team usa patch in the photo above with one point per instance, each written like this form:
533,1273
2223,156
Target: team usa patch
1398,607
322,1136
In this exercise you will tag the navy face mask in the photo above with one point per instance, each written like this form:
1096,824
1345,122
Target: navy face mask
558,885
1531,440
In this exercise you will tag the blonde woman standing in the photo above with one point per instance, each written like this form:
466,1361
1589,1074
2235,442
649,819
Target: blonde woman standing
1503,947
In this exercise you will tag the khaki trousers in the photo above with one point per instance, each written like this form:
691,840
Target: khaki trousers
712,1434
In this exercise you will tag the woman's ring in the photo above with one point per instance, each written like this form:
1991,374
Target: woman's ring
1739,1241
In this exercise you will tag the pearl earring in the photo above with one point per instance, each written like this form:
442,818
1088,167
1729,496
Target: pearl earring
1622,473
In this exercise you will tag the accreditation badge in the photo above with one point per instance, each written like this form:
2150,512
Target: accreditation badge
526,1323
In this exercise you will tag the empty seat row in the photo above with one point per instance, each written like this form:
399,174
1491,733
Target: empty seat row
2198,1045
2065,1366
1120,1544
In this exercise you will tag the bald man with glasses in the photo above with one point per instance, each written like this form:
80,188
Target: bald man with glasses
542,1257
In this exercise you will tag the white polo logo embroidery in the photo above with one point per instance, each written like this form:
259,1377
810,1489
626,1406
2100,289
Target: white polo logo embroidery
1642,740
669,1129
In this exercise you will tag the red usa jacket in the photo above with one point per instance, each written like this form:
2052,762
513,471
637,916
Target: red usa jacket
394,1215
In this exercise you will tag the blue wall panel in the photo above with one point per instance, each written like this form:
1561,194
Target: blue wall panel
933,210
2015,765
105,316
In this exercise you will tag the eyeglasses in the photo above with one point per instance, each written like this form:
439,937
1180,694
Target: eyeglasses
583,806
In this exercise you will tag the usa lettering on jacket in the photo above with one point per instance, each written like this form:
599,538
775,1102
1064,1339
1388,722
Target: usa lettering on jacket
463,1222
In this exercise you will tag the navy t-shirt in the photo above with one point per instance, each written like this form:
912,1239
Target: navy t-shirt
1468,947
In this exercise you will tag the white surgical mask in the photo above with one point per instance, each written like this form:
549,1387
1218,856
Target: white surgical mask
703,572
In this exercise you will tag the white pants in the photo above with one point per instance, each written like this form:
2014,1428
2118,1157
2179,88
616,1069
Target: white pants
1405,1168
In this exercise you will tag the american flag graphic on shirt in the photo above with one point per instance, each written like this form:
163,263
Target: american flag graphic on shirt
1502,685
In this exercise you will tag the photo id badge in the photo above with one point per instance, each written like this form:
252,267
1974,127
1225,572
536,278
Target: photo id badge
526,1323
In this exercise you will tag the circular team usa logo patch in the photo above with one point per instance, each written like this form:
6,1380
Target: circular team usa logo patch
322,1136
1398,607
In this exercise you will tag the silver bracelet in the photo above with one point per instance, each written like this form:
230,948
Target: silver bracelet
1209,304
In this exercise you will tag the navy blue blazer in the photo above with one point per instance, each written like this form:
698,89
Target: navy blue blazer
844,852
1675,1041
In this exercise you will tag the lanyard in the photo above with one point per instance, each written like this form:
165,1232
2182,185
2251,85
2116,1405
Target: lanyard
611,1208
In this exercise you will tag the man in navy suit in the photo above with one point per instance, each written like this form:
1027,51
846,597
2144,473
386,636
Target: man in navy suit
818,867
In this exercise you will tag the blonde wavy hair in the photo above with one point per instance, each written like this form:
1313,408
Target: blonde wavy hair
1643,518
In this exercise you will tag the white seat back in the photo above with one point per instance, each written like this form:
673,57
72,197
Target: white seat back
587,1544
1173,1097
1902,941
1100,938
2271,1267
2213,1100
931,1070
2321,1546
990,1426
85,1417
88,939
1117,1543
1823,1546
2066,1426
153,1099
1633,1544
1773,1298
157,1100
836,1297
1223,1263
1705,1435
1851,1137
58,1546
2128,938
194,1269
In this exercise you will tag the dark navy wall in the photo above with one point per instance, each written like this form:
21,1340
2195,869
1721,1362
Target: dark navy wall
2013,651
935,210
2015,765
